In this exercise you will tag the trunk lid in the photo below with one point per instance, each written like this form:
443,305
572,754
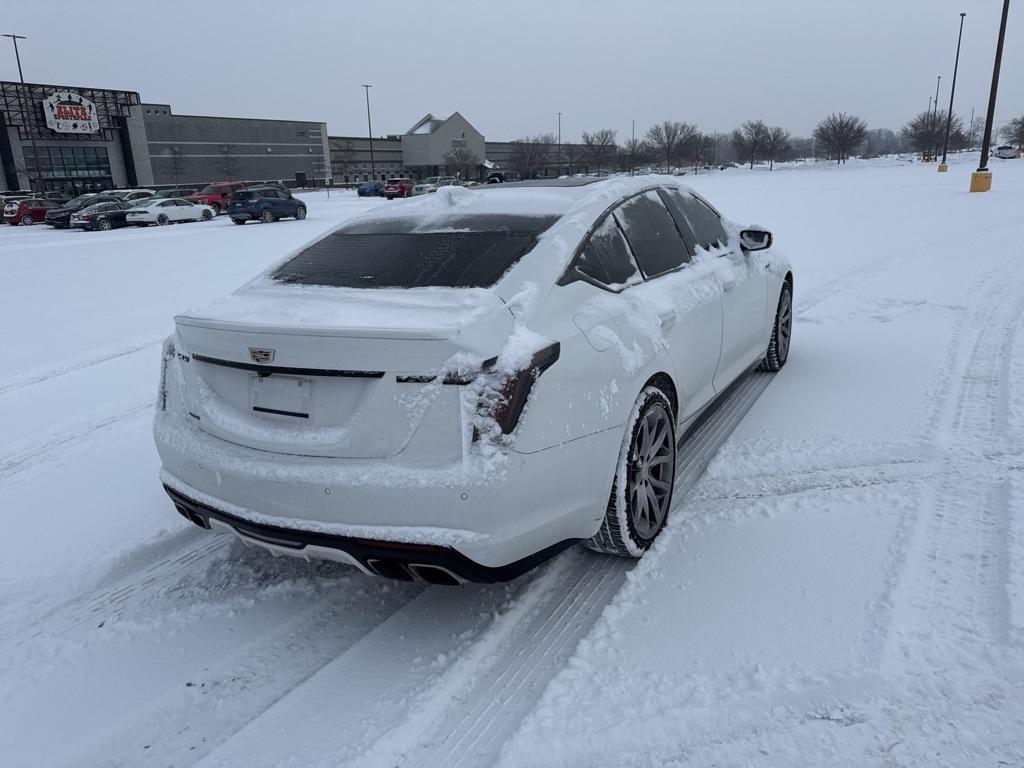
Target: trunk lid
326,372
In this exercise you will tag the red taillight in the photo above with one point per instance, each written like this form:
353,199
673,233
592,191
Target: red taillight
85,217
514,391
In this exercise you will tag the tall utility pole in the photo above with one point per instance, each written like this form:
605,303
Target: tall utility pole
952,90
937,84
981,179
632,150
369,129
31,130
559,157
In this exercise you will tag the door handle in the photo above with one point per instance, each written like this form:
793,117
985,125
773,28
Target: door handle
728,286
668,320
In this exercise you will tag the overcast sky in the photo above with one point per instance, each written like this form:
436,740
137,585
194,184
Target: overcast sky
509,67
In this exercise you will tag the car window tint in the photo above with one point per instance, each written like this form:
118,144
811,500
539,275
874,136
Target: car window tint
607,258
705,223
652,234
389,254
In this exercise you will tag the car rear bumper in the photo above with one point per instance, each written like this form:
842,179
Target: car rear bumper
481,523
434,564
243,215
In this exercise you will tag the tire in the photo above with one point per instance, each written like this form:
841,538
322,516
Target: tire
162,220
238,221
216,208
390,197
104,225
27,221
646,470
300,212
206,215
782,332
267,217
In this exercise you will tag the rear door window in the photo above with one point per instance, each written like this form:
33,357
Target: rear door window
606,257
705,223
458,252
652,234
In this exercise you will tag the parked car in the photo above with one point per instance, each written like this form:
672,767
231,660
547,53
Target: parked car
131,195
265,204
61,217
399,187
431,183
31,210
57,197
102,216
163,194
6,197
373,400
370,189
1007,152
216,195
171,211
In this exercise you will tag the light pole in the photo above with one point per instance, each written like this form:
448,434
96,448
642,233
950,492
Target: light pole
943,167
934,117
369,129
981,179
31,131
558,160
632,150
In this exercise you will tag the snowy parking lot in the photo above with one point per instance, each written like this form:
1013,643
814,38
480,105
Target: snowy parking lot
844,585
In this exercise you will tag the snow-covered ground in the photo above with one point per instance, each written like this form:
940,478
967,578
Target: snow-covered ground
844,586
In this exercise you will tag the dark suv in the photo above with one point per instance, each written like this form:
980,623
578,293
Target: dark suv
264,203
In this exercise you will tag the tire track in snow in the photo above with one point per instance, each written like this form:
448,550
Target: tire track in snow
54,443
87,360
823,291
961,566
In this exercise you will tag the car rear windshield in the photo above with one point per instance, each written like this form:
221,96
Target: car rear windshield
211,190
245,194
456,252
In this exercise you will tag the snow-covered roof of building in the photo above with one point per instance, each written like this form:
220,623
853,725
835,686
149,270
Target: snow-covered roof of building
427,125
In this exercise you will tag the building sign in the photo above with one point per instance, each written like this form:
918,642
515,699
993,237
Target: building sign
67,112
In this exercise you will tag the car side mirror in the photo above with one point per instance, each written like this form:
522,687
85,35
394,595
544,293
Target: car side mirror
755,239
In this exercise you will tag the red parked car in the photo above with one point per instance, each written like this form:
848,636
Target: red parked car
398,188
30,211
216,195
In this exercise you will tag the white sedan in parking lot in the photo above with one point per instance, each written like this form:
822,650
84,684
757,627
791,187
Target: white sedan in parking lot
460,390
167,211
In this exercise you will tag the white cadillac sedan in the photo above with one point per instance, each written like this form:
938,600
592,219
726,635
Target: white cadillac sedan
167,211
459,387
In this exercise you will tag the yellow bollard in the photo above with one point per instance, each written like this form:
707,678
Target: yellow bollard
943,167
981,181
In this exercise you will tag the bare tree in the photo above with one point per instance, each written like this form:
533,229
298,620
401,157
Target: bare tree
881,141
840,134
342,158
177,164
600,147
463,163
573,156
530,154
699,149
667,139
776,145
976,129
227,164
750,140
926,133
1013,132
